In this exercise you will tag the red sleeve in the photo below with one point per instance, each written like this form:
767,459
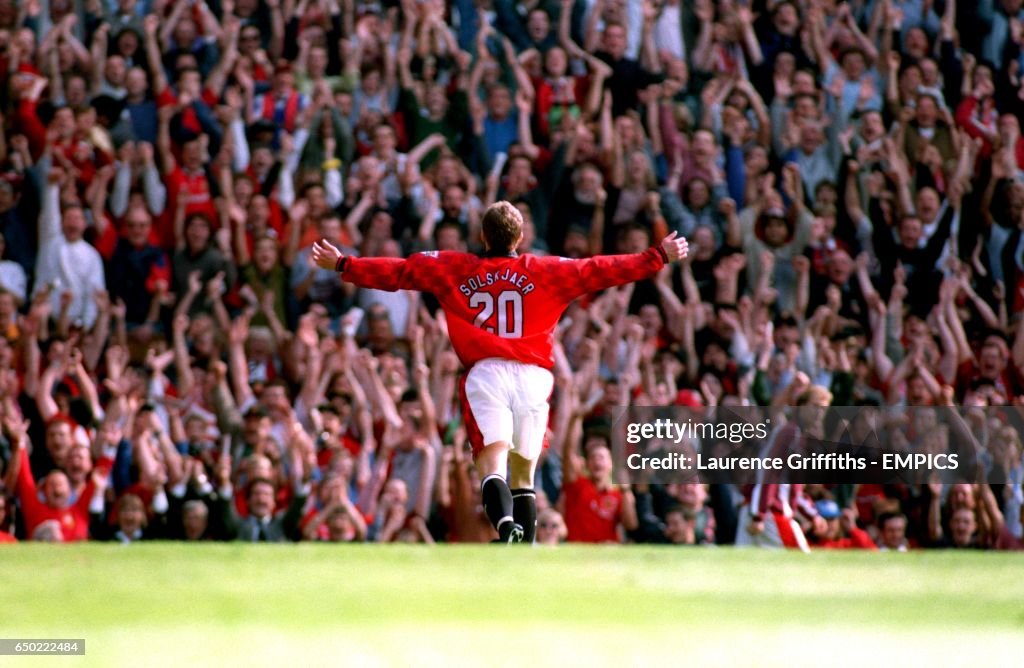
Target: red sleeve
964,374
276,221
860,538
543,104
166,98
964,118
543,159
81,506
572,490
964,111
210,97
32,127
580,277
173,181
581,87
26,483
420,271
106,243
31,507
398,123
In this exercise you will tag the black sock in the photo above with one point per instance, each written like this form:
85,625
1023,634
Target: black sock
497,498
524,510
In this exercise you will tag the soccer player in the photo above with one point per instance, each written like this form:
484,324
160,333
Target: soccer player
769,515
502,309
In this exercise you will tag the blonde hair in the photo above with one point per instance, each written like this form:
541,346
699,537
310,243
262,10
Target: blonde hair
502,225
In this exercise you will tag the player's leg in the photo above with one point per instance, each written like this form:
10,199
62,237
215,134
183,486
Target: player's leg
489,421
795,538
530,410
743,536
491,464
524,498
781,532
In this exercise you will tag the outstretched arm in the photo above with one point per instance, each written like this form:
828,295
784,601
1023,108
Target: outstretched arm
605,271
418,272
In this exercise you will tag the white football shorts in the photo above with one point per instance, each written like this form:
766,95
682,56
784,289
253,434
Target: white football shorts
509,401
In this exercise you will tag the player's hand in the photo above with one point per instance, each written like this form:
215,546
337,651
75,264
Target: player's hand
755,527
675,246
325,255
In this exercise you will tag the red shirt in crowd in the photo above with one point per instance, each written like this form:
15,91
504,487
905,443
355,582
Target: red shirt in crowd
74,519
325,456
1009,382
195,188
592,515
857,540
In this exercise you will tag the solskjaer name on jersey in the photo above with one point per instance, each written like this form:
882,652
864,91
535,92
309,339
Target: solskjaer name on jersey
518,280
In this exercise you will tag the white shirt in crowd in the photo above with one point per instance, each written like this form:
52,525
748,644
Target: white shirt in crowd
67,265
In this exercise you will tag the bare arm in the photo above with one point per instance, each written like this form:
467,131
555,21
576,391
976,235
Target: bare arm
984,309
82,55
591,36
420,151
703,53
30,327
215,290
86,386
237,362
96,340
306,337
425,488
670,302
276,45
524,105
366,372
935,513
277,328
572,462
99,56
963,347
182,361
44,395
217,77
156,66
878,317
649,52
564,37
751,45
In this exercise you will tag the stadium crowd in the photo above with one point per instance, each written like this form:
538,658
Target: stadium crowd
850,176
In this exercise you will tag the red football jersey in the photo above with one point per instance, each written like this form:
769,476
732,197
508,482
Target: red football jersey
73,520
504,307
195,188
591,515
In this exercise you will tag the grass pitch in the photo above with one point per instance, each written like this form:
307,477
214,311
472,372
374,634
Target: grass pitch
300,605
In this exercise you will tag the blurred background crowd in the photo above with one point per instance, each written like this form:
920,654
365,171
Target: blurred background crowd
849,176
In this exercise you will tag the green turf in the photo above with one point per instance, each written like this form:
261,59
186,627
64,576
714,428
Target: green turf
286,605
